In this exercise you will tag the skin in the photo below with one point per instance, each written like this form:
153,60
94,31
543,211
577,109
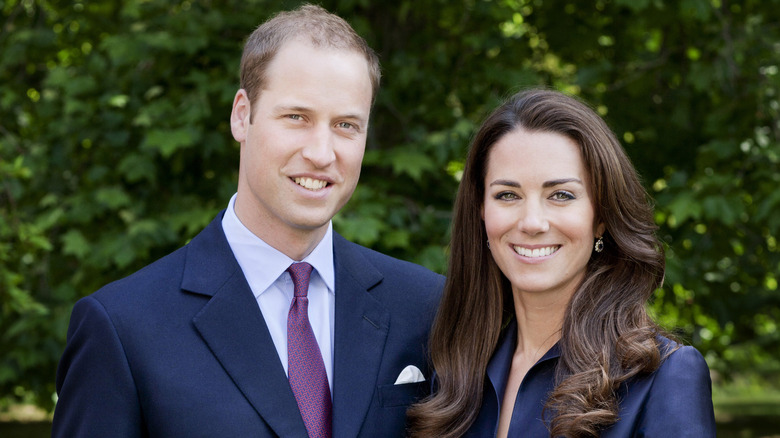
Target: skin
537,199
302,150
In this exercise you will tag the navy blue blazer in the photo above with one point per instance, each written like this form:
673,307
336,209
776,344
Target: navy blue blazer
674,401
180,349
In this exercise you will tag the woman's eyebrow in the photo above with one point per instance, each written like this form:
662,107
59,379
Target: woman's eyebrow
505,182
557,182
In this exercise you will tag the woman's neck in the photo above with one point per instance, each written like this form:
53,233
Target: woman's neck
539,321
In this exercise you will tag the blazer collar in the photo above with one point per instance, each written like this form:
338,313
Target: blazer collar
232,325
361,328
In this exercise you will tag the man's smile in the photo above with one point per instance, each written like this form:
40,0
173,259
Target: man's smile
310,183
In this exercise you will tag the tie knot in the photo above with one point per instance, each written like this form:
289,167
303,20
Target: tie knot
300,273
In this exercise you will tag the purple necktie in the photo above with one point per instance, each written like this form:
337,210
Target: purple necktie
305,369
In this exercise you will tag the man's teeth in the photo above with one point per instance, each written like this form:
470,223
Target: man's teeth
311,184
536,252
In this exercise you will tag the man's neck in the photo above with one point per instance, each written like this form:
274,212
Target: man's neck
294,243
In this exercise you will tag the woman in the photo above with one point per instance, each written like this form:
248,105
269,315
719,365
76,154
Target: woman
542,329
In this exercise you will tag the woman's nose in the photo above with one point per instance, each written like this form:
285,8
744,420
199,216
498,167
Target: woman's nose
533,219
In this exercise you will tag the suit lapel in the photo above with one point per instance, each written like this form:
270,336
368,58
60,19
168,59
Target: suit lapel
232,326
361,328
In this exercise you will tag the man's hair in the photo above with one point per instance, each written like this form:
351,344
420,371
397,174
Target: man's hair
314,25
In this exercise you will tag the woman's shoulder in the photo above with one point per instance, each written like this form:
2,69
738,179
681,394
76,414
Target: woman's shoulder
671,347
680,361
676,399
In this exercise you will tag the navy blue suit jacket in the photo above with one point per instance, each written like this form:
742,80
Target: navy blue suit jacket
180,349
673,401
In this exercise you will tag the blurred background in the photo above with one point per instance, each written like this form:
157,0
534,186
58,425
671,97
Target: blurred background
115,149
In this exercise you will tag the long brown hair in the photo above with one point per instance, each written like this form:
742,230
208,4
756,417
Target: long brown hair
607,336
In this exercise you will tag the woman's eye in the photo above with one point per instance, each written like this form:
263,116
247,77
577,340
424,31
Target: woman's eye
562,196
506,196
346,125
295,116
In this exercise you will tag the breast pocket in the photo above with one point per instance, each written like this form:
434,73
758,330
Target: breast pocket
404,394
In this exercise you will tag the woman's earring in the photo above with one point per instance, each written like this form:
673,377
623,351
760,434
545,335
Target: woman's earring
599,246
488,244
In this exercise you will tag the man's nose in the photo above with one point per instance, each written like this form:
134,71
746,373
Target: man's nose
320,147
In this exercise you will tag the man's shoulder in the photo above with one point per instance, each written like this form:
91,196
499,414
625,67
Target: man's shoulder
388,265
151,279
403,287
159,276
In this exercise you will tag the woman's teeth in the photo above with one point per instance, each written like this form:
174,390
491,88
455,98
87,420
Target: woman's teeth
536,252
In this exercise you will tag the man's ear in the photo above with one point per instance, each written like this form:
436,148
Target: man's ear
240,116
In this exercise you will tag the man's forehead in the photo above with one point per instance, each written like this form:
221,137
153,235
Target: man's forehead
298,54
305,42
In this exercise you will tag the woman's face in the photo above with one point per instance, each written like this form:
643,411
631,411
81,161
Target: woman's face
538,212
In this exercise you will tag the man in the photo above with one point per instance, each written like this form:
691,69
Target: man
220,338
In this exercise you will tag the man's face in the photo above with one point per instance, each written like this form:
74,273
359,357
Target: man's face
301,153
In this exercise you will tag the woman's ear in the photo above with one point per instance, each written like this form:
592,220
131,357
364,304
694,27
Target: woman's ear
600,229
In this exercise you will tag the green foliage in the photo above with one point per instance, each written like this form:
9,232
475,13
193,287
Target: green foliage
115,146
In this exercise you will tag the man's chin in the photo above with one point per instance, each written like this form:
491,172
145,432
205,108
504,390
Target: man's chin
312,223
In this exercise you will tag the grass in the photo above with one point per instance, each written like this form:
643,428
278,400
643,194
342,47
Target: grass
24,421
741,411
747,410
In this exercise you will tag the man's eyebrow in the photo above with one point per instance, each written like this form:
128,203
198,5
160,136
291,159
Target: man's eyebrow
294,108
354,116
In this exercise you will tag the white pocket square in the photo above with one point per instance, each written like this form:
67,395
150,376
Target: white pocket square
410,374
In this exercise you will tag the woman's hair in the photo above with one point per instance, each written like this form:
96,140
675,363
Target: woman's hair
607,336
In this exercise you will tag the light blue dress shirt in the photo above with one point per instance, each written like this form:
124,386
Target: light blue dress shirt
265,269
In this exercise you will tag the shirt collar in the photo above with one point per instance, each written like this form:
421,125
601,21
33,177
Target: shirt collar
501,361
262,264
